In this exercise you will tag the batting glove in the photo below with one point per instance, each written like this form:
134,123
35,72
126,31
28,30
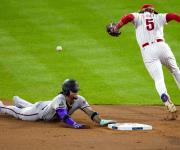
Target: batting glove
105,122
77,125
80,126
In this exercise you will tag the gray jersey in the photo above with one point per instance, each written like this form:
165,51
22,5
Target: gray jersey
45,110
59,101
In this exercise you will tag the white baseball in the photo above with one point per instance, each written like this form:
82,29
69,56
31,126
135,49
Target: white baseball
59,48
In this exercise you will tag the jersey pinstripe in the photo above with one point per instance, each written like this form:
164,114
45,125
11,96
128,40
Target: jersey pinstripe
149,27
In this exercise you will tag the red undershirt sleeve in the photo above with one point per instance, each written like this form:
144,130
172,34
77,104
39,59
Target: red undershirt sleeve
172,16
124,20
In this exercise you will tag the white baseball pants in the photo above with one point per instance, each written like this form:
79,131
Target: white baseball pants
154,56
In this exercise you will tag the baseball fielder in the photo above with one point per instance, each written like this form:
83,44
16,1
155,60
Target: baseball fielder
155,51
61,107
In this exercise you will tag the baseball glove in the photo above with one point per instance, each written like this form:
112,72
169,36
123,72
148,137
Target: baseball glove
110,28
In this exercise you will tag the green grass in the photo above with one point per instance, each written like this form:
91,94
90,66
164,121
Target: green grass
109,70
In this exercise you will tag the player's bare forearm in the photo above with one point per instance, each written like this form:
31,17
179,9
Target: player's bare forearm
96,117
89,111
172,16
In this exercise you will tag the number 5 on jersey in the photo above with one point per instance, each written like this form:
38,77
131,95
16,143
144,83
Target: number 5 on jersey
149,24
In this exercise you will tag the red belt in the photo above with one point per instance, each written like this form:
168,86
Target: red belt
157,40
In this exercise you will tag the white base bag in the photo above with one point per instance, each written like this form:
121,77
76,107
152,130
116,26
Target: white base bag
129,126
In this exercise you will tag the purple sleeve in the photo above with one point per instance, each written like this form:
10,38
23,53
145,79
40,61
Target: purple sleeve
62,114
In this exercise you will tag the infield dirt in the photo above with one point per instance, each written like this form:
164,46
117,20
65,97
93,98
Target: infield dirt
22,135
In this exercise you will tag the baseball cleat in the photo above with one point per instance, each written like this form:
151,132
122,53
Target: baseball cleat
171,115
171,107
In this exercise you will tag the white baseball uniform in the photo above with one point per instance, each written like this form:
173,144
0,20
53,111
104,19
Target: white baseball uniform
155,52
44,110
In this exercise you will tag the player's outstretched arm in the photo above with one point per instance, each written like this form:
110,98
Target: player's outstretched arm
113,29
96,117
124,20
172,16
63,115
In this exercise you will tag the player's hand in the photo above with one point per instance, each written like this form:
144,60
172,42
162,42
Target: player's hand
105,122
80,126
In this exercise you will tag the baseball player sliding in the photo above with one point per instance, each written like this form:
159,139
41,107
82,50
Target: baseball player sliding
155,51
61,107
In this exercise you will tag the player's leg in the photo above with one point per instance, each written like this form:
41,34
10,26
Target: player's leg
167,58
153,65
176,76
169,61
10,110
21,103
155,70
28,113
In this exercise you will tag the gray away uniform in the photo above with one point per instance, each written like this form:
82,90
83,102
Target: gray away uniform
43,110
